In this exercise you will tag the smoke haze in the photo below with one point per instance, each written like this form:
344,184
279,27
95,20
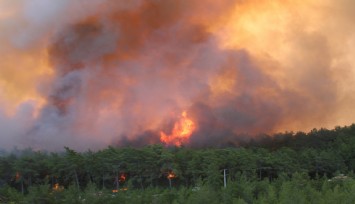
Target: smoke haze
87,74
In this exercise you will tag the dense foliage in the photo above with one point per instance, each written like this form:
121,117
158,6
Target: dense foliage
285,168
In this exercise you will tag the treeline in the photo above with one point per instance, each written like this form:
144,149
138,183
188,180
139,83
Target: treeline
288,190
271,166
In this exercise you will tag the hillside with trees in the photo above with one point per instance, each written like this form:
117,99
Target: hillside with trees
314,167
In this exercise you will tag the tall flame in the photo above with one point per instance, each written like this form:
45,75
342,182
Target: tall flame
183,129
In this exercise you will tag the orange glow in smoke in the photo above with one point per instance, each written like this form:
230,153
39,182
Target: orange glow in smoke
90,75
181,132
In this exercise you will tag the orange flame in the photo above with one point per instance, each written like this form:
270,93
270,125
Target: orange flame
58,187
171,175
18,176
122,177
117,190
181,132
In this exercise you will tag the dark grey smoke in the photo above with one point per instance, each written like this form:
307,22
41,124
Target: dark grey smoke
124,71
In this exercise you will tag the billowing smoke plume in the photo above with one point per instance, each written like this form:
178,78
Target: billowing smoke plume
87,74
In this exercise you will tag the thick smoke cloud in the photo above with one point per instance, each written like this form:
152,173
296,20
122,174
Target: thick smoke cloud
87,74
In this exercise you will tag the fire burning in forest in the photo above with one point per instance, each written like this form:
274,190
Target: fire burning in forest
17,176
122,178
181,132
57,187
171,175
88,75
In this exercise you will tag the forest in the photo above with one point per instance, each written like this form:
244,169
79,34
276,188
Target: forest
313,167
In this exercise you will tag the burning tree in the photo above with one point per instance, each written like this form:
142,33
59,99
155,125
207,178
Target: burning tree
171,175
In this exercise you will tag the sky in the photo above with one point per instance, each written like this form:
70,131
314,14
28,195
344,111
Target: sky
91,73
